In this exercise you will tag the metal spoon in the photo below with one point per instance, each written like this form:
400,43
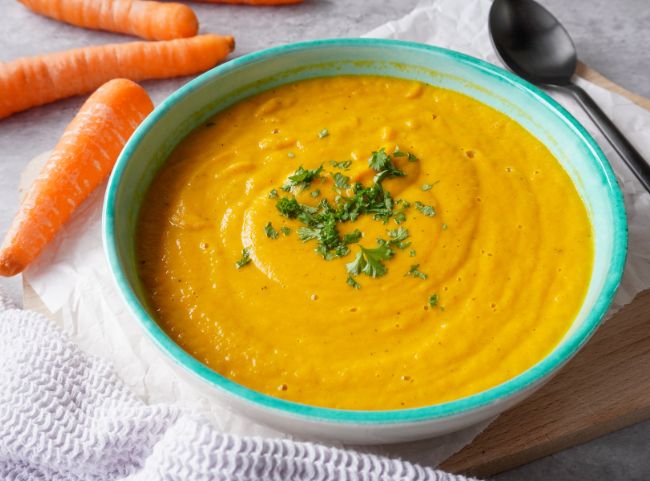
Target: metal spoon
535,45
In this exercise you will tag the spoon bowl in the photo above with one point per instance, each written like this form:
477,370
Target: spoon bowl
531,41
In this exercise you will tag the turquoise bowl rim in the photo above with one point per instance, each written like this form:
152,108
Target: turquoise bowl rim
534,375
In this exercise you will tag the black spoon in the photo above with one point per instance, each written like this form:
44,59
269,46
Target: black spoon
535,45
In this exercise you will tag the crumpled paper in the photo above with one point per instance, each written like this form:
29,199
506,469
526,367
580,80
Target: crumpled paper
73,281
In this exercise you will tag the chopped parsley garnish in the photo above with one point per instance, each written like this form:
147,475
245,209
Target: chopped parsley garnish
380,160
433,300
400,153
245,259
288,207
425,209
398,236
369,261
352,237
415,272
399,217
291,155
321,222
444,226
353,283
270,232
382,163
302,178
341,181
343,164
323,133
322,228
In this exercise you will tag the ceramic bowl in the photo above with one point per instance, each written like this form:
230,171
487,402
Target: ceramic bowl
221,87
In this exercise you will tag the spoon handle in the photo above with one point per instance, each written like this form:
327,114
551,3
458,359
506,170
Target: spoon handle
628,153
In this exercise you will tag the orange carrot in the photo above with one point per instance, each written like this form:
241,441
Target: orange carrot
146,19
82,159
33,81
254,2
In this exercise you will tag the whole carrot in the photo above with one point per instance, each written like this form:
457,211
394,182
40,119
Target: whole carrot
33,81
254,2
146,19
82,159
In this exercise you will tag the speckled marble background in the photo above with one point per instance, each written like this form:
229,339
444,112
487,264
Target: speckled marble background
612,36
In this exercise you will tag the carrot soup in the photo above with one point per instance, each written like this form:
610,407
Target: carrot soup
364,242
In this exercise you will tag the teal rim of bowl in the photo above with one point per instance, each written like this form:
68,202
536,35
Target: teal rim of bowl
561,354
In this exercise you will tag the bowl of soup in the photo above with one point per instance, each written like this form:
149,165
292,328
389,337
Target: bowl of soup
365,240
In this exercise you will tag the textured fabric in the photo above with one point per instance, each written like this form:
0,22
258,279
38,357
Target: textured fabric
65,415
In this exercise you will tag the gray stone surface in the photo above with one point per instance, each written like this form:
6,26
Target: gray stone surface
613,36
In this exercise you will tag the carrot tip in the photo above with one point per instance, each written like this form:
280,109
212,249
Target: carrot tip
9,267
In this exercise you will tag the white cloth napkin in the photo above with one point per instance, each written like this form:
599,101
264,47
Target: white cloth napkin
72,278
65,415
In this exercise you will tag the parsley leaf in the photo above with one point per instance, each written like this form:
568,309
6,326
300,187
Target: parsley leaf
433,300
425,209
399,217
285,230
414,272
315,193
381,162
270,232
341,181
273,194
307,233
369,261
291,155
412,253
343,164
245,259
323,133
400,153
302,178
288,207
323,229
352,237
398,236
426,187
353,283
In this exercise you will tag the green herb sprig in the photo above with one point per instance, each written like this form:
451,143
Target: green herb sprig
245,259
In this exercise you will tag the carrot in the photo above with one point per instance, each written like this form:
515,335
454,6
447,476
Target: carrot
146,19
82,159
33,81
254,2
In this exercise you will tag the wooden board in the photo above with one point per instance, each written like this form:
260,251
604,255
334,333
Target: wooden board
604,388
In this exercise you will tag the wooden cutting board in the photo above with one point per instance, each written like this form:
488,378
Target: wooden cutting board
604,388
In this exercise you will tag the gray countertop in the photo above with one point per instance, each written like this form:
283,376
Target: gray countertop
612,36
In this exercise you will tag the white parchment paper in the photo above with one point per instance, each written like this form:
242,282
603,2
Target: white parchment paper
73,280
